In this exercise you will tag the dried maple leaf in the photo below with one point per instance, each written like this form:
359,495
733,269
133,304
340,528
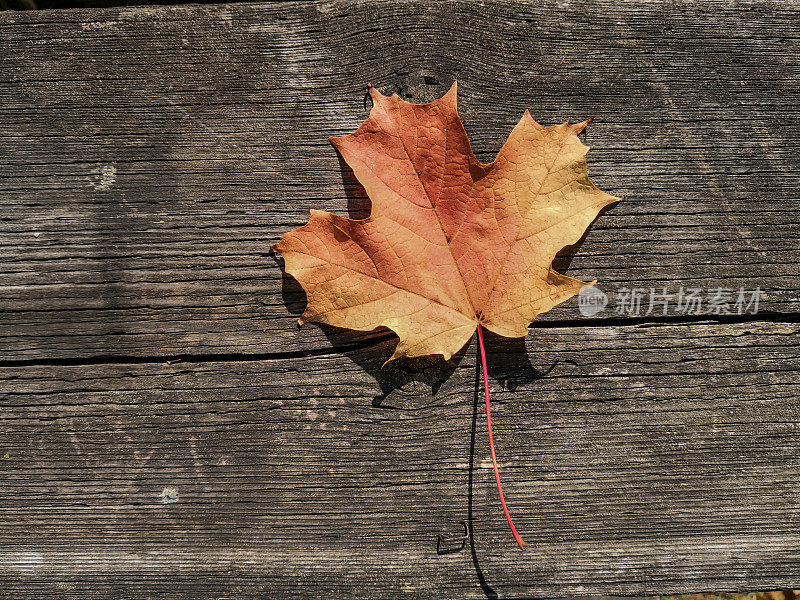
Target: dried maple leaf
451,242
451,245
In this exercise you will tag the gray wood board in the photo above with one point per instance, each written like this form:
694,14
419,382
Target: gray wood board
151,155
636,460
149,158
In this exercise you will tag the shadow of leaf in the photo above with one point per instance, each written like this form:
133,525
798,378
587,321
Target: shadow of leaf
431,372
359,206
563,258
509,362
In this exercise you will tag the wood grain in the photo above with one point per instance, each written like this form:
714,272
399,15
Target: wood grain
167,431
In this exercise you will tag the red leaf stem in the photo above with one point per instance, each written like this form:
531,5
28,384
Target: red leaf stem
517,537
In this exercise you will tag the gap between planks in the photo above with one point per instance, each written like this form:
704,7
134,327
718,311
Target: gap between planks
380,337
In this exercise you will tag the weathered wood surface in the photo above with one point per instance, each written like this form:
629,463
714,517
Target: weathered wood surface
150,157
636,460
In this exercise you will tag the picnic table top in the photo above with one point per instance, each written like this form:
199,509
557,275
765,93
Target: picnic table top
166,428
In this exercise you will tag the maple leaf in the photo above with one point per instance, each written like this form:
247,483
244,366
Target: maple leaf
451,245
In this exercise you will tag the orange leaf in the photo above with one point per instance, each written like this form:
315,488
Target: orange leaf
451,242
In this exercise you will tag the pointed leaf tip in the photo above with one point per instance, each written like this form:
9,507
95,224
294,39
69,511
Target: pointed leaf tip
579,127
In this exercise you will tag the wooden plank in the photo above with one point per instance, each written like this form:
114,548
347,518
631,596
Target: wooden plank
151,155
636,460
